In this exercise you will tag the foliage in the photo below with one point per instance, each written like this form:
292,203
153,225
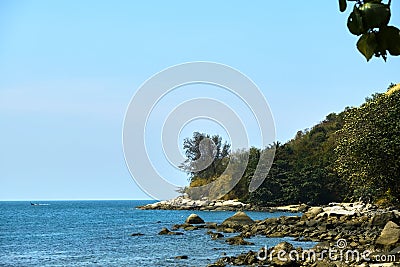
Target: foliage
206,156
369,146
370,19
348,156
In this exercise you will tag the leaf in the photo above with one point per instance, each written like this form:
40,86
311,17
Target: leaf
355,22
389,37
367,45
342,5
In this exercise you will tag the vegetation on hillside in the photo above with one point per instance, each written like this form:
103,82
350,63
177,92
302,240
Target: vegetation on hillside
348,156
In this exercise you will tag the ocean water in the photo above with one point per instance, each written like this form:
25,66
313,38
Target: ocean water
98,233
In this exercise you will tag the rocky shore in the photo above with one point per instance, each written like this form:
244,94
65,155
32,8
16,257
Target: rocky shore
347,234
185,203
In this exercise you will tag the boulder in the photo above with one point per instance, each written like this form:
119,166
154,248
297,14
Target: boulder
215,236
280,255
164,231
237,240
194,219
381,219
390,235
313,212
239,218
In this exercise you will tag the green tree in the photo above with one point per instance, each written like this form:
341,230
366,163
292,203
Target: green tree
369,147
206,156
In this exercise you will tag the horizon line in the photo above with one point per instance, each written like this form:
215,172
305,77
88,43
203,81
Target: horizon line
88,199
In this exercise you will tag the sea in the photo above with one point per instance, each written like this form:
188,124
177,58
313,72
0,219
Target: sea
98,233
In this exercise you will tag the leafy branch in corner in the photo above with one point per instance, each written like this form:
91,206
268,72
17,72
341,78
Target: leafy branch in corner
369,20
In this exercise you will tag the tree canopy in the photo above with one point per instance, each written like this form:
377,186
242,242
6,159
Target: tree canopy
347,156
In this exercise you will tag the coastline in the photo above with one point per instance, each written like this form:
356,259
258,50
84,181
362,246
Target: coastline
350,227
185,203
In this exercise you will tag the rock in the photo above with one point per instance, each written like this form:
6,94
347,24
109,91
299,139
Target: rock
216,235
390,235
194,219
303,208
280,255
381,219
228,230
313,212
137,234
237,240
211,225
165,231
284,246
239,218
190,228
183,257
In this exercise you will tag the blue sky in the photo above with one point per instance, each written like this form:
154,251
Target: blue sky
68,70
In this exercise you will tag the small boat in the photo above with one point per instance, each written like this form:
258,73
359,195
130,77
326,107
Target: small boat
39,204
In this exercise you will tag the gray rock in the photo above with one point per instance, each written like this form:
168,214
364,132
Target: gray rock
194,219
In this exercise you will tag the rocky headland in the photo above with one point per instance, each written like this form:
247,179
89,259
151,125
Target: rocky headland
185,203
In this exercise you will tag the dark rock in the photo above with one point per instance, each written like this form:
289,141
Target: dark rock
137,234
216,235
183,257
303,208
238,240
381,219
311,223
211,225
194,219
165,231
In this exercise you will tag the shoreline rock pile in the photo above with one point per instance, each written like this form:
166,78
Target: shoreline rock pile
185,203
338,226
341,227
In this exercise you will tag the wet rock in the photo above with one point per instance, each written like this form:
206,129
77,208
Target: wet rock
137,234
182,257
215,236
194,219
238,240
165,231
